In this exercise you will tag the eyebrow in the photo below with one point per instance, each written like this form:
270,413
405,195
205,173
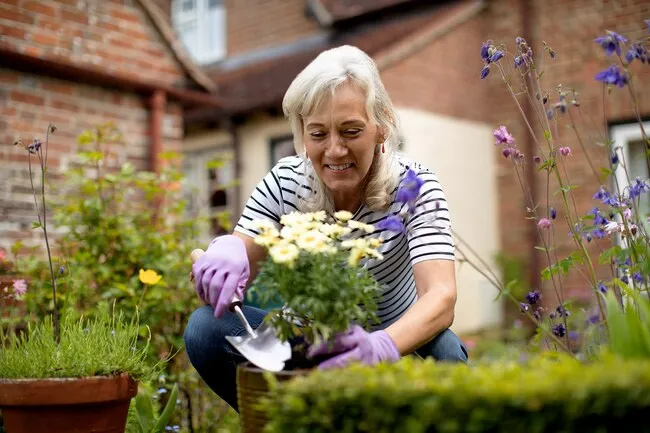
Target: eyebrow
346,123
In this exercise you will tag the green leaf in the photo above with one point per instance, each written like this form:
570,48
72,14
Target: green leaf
547,135
144,410
36,225
166,414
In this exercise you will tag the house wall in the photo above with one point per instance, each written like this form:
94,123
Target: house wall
456,151
257,24
110,35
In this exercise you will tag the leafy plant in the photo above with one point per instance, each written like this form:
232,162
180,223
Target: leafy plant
145,414
102,346
313,265
548,393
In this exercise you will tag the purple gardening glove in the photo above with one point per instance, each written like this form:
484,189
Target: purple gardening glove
221,273
356,344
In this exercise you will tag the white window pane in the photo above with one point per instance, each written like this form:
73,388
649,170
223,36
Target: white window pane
212,4
189,36
188,5
638,167
215,33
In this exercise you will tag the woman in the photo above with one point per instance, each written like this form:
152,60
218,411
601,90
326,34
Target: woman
345,134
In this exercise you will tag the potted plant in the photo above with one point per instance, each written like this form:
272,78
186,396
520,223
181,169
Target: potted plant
72,374
314,264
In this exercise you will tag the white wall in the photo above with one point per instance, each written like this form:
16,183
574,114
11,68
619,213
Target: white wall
461,153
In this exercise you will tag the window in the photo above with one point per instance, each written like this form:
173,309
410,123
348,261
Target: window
281,147
209,178
201,26
627,138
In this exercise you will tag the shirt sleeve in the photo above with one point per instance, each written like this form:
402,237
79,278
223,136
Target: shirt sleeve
264,203
429,225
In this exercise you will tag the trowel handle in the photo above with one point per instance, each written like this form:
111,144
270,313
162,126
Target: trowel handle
195,255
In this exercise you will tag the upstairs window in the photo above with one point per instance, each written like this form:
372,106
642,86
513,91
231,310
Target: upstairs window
201,25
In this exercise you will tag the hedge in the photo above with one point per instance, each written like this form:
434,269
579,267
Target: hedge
545,394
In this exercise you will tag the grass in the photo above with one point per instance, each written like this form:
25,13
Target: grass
104,346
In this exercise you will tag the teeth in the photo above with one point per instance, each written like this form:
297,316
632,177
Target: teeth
339,167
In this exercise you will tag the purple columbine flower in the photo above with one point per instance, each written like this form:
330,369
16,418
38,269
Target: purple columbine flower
562,311
519,60
533,297
498,55
613,75
537,159
553,213
614,158
34,146
392,223
637,51
611,43
602,288
485,71
409,189
485,51
565,151
559,330
638,277
625,279
638,187
503,136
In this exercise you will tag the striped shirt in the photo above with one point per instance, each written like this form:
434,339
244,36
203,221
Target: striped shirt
427,235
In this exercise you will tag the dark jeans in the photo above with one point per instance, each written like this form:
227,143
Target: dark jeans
216,360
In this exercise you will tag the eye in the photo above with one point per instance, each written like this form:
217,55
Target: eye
353,132
317,134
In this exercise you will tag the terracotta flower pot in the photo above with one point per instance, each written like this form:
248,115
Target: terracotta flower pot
68,405
251,387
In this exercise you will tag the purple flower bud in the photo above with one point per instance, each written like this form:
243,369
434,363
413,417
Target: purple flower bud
507,151
523,306
496,56
537,159
533,297
484,50
565,151
553,213
614,158
602,288
559,330
519,60
485,71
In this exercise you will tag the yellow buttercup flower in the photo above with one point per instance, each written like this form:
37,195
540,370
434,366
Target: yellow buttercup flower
149,277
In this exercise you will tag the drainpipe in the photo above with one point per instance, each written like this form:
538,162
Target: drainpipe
158,101
526,9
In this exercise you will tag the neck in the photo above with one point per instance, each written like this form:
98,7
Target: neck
349,201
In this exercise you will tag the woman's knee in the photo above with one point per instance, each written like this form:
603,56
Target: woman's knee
445,347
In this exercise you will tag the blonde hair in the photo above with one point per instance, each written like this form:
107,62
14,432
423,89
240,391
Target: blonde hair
312,85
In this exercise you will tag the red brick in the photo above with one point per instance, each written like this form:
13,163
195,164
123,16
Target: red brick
64,105
126,15
45,38
74,16
12,31
40,7
18,96
59,87
14,15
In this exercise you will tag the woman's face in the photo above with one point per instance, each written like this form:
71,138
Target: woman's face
340,140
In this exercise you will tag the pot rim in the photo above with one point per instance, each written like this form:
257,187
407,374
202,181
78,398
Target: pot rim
250,367
66,390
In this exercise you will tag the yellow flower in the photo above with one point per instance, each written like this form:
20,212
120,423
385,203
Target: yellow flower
263,225
268,238
334,230
149,276
343,215
368,228
284,253
355,256
311,240
290,233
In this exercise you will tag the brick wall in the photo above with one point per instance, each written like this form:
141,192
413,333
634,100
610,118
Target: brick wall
108,34
113,36
444,78
257,24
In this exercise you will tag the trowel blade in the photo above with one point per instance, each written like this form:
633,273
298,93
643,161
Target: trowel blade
265,351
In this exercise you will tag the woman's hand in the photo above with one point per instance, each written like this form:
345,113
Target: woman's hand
356,344
221,273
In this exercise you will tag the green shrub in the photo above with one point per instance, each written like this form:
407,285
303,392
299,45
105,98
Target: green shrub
558,394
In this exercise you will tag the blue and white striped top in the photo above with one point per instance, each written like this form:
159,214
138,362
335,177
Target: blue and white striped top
427,235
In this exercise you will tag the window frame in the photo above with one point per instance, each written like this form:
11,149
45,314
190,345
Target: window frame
199,17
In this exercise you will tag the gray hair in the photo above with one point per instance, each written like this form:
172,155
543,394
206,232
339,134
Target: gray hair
323,76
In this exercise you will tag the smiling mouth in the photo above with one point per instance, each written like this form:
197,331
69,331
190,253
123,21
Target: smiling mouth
339,167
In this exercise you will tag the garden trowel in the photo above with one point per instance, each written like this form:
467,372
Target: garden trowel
260,346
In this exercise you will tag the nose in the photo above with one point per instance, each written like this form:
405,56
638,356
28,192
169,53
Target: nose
336,147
